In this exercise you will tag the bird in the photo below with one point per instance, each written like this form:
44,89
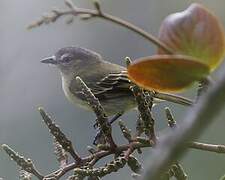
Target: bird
108,81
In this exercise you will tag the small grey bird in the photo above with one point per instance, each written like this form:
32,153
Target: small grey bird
108,81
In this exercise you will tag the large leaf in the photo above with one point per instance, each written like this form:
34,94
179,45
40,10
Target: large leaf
169,73
195,32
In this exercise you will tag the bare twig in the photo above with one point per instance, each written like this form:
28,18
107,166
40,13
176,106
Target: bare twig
75,11
217,148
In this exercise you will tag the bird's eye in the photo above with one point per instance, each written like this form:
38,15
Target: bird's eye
66,58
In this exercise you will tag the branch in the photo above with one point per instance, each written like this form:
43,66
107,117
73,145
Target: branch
144,108
89,13
178,140
26,164
110,167
102,119
96,157
218,148
59,135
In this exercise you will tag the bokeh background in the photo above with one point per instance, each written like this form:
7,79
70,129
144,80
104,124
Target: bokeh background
27,84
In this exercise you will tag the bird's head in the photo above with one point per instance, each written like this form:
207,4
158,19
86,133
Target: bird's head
72,58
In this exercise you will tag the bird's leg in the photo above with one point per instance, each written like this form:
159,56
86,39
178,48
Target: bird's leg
99,138
95,125
114,118
99,134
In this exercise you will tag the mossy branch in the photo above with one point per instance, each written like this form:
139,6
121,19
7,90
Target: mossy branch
59,135
26,164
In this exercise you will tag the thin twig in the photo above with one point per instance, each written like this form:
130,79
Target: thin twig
135,145
125,131
75,11
179,172
26,164
171,121
176,168
59,135
217,148
110,167
134,164
97,156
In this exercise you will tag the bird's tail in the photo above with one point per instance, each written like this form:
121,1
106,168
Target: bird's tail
173,98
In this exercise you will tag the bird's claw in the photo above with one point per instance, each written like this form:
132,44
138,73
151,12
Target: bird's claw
99,138
95,126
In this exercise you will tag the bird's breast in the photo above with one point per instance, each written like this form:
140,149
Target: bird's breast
70,96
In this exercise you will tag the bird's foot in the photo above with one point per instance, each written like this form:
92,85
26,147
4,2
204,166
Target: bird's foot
99,138
95,126
114,118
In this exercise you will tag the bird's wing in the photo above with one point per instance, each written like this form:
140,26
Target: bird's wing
113,85
117,85
114,80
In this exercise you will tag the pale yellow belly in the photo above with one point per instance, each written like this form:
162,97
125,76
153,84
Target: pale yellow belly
73,99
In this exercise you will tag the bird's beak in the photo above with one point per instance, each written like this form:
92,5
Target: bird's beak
49,60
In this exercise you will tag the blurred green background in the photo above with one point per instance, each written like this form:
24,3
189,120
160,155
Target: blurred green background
27,84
